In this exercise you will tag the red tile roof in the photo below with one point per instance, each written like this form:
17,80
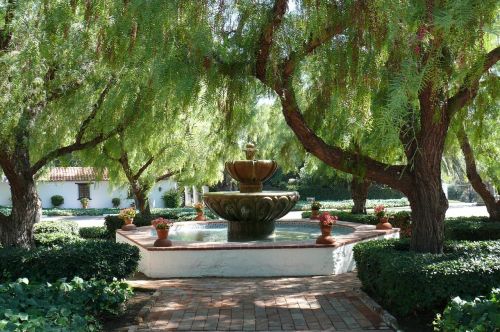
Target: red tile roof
74,174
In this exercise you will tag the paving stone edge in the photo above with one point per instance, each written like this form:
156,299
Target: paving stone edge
388,319
144,312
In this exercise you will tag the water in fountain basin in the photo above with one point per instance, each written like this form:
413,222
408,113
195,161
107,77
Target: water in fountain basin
218,233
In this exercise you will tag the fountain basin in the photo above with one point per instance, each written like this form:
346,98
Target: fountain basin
250,259
250,215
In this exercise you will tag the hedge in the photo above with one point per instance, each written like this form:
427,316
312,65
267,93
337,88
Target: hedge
481,314
86,259
55,239
60,306
406,281
348,204
113,223
370,219
67,227
97,232
172,199
472,229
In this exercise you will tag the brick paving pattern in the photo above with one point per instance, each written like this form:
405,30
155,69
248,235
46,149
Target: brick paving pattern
327,303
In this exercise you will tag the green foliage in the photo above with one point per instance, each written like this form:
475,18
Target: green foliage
347,216
86,259
98,232
113,223
348,204
171,199
60,306
479,315
471,229
405,281
66,227
57,200
55,239
116,202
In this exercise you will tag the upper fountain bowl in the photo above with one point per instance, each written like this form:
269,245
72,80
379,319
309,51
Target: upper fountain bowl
251,173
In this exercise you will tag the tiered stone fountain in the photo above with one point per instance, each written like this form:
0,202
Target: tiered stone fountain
251,212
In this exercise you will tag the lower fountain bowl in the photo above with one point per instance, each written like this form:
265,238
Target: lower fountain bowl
250,215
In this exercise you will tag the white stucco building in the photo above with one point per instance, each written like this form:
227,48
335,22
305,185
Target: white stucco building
72,183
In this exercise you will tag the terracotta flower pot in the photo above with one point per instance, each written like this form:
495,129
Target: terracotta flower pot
326,235
314,214
128,224
383,224
200,216
162,240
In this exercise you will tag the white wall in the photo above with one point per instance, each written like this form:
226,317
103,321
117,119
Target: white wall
5,194
101,194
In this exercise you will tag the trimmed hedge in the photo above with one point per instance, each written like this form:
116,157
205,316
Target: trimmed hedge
172,199
369,219
348,204
57,200
405,281
66,227
97,232
481,315
61,306
113,223
86,259
472,229
55,239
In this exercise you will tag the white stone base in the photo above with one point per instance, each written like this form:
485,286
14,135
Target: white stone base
259,261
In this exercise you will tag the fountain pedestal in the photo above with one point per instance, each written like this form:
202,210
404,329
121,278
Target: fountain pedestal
249,231
251,212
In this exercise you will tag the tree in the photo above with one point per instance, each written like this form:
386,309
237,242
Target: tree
409,66
46,61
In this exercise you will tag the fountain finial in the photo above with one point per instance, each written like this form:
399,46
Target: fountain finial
250,151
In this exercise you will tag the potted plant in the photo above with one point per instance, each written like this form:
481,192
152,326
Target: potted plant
127,215
162,227
85,202
326,222
383,221
199,212
315,206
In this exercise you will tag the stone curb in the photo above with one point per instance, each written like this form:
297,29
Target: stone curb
143,313
388,319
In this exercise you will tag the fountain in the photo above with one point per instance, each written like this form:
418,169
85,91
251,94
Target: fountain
251,212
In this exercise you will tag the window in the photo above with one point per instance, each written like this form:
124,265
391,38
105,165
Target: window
83,190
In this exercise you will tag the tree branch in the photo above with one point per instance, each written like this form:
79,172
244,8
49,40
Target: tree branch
467,93
392,175
166,176
148,163
266,38
78,145
473,175
95,108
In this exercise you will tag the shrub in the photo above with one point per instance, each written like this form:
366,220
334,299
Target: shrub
405,281
61,306
86,259
116,202
347,216
55,239
67,227
98,232
171,199
472,229
113,223
57,200
481,315
402,220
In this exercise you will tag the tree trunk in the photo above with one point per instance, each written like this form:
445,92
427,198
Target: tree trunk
359,194
17,229
492,205
142,202
428,208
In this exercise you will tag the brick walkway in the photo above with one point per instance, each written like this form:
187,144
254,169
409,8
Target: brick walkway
330,303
